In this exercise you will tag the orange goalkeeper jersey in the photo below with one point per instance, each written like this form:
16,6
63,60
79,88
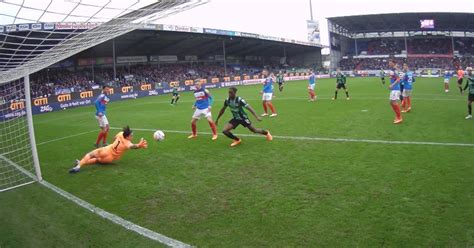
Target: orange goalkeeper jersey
119,146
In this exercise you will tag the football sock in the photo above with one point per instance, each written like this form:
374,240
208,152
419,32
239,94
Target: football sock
176,101
335,94
460,89
347,94
104,136
404,103
271,107
265,109
230,135
396,109
213,127
409,101
172,100
469,109
99,137
194,128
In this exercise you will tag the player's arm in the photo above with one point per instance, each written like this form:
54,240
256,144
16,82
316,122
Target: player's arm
466,86
142,144
395,83
221,112
250,109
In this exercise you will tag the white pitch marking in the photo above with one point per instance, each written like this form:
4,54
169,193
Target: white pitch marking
104,214
64,137
328,139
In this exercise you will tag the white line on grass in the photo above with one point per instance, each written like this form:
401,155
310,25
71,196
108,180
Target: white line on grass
64,137
104,214
328,139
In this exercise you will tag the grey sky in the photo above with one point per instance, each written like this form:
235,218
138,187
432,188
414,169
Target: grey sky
281,18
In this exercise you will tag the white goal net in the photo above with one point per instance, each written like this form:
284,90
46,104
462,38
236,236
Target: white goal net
35,34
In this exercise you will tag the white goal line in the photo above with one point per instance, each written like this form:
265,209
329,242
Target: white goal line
102,213
325,139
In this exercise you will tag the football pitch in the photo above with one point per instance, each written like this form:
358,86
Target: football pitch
338,173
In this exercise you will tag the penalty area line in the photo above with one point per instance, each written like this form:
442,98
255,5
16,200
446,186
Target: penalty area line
304,138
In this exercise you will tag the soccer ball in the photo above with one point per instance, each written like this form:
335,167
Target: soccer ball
159,135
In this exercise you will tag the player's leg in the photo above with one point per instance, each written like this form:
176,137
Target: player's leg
260,131
460,85
176,100
212,125
469,107
394,102
88,159
264,103
172,99
280,87
227,132
105,122
100,136
335,93
272,108
347,91
383,80
446,85
404,101
195,118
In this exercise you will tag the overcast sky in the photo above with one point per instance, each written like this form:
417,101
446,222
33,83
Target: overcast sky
281,18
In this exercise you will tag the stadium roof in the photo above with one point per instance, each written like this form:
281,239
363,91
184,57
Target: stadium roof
404,22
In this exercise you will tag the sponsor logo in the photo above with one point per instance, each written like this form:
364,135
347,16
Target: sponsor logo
111,91
255,77
215,80
145,87
189,82
226,79
17,105
11,28
246,77
48,26
174,84
129,96
23,27
86,94
127,89
36,26
237,78
40,101
47,108
153,93
64,98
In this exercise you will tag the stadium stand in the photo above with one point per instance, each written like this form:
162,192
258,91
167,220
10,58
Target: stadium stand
367,42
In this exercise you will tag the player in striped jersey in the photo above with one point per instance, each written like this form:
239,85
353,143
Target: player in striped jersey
202,107
100,109
408,80
280,80
340,84
237,105
395,92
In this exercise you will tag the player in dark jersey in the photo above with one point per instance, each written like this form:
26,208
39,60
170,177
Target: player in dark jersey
280,80
175,97
470,96
382,75
340,84
237,105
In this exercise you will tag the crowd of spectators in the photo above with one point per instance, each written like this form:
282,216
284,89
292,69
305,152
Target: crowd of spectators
57,81
381,46
430,46
415,63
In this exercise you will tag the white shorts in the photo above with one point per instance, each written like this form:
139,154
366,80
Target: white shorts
311,86
103,122
202,112
406,93
446,81
395,95
267,96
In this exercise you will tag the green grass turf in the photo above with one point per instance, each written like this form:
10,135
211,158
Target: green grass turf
285,192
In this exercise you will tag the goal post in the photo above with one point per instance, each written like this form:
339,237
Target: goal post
31,41
31,129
